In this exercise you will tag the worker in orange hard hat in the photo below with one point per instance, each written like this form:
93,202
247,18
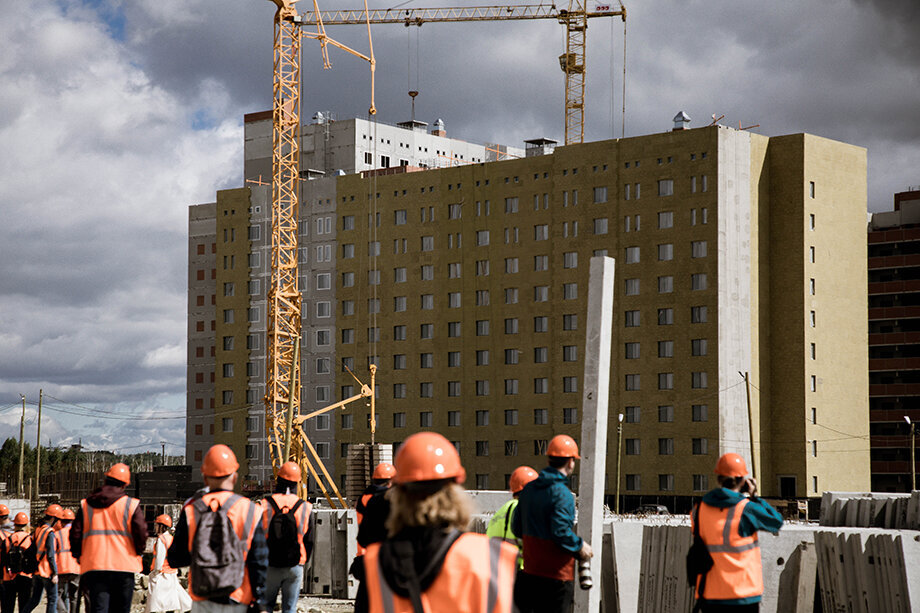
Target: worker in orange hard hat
372,510
164,592
6,526
18,567
545,521
728,519
427,563
46,550
67,566
205,512
500,524
108,537
290,527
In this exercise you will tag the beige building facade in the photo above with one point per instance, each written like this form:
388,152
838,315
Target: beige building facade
735,253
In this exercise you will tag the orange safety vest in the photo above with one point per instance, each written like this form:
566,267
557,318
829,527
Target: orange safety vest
66,563
41,550
287,501
360,517
477,577
164,541
107,541
737,571
245,515
15,539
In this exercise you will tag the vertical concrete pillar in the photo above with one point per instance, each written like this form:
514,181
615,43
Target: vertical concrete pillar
593,444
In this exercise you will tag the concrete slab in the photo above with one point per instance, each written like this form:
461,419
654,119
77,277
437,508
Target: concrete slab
628,549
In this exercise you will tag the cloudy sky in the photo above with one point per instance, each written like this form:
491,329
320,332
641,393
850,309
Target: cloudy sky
115,115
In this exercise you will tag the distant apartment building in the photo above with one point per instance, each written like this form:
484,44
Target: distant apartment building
735,253
894,339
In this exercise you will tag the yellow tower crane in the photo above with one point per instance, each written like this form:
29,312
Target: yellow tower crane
574,18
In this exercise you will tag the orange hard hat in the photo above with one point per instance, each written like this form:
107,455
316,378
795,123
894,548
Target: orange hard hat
68,514
731,465
384,470
164,519
562,446
428,456
219,461
289,471
55,510
121,472
521,476
4,510
21,519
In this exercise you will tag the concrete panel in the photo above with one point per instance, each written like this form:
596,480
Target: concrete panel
628,547
488,501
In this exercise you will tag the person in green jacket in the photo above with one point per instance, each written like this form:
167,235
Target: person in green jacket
500,524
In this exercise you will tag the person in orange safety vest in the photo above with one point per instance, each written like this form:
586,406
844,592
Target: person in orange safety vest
108,536
6,526
67,566
371,511
285,573
17,586
219,469
164,593
427,563
729,518
46,550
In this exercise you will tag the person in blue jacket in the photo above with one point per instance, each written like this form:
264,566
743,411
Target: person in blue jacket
544,520
728,519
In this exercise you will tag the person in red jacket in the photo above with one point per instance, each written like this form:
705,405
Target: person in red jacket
107,537
427,563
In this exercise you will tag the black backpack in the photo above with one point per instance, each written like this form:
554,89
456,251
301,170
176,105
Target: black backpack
218,554
21,559
699,560
283,544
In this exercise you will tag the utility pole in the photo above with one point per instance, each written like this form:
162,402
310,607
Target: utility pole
913,453
38,448
22,443
747,388
163,444
616,503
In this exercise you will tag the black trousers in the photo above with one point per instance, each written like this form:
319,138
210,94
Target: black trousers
109,591
19,590
533,594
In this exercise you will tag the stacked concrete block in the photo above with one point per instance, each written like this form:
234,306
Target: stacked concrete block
863,571
871,510
626,545
663,586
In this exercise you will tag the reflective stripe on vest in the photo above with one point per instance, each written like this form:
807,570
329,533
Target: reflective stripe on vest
737,571
300,518
66,563
107,541
466,581
245,518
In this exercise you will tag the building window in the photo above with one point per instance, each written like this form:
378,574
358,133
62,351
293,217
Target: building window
666,187
426,360
399,420
665,349
323,366
600,194
348,421
666,219
665,317
699,412
570,259
511,448
665,380
426,390
698,281
632,287
453,419
699,380
632,383
632,414
511,417
632,255
541,293
665,285
600,225
632,351
453,389
323,281
698,315
665,414
511,387
426,331
541,385
540,262
631,319
541,232
700,483
570,322
453,270
569,291
665,252
482,387
482,449
540,417
323,308
666,446
424,419
540,355
633,483
698,249
323,338
482,357
570,384
399,361
698,346
700,446
633,446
